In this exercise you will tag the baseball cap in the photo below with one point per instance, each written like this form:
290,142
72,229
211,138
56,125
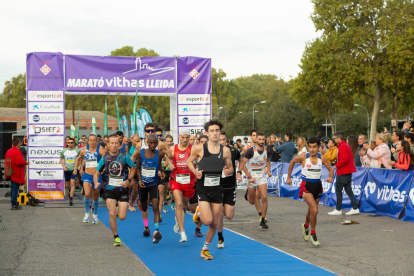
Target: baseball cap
184,131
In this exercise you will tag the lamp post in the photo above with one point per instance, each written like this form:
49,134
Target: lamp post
254,107
367,117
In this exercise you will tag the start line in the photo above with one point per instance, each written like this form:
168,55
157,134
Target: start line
241,256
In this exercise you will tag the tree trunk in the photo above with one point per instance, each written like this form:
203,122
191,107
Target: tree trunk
374,117
330,120
395,110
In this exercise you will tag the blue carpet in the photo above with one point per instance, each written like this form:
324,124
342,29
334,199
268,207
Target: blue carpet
242,256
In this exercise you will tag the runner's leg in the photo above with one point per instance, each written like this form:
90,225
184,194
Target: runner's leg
111,204
263,195
251,195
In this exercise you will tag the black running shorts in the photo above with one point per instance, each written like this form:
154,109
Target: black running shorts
166,179
210,196
121,196
152,191
314,188
194,199
229,197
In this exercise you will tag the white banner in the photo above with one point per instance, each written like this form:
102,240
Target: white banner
46,141
44,152
44,163
49,118
45,96
192,120
47,130
194,99
193,109
46,174
45,107
193,130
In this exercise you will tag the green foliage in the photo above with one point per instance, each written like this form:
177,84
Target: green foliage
14,92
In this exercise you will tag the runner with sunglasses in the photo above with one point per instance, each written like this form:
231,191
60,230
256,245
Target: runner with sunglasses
68,157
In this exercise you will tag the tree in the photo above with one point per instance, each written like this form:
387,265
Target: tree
375,40
14,92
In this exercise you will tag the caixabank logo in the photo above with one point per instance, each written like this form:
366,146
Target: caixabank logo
36,107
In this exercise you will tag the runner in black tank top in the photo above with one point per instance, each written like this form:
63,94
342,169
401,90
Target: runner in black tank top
214,159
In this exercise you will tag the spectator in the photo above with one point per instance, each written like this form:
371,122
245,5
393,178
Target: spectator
332,152
302,145
362,139
381,152
409,137
352,141
345,166
98,138
245,141
366,161
272,139
406,127
405,157
17,164
287,149
238,142
395,138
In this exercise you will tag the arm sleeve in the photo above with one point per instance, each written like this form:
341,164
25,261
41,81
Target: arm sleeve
395,155
343,159
372,154
19,160
249,153
62,154
282,147
101,163
405,164
332,156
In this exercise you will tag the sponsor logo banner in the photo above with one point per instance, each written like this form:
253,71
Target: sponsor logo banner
192,120
50,118
44,163
46,141
42,185
34,107
45,96
44,72
46,129
194,110
44,152
194,99
193,75
48,195
194,130
46,174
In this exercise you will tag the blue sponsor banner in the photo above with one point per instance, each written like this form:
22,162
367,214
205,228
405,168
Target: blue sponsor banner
327,187
285,189
409,208
358,184
386,192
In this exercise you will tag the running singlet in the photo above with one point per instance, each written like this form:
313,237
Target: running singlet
123,148
182,174
212,166
115,167
256,164
230,181
149,169
312,173
92,159
69,158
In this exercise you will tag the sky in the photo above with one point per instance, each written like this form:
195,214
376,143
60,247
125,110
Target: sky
241,37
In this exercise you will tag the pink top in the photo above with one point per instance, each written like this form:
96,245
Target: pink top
381,153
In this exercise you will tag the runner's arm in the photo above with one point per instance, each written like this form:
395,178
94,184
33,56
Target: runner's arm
79,159
246,158
298,159
99,169
137,150
170,158
227,160
138,163
63,165
195,151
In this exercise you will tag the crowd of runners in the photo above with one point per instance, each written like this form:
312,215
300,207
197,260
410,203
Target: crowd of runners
199,174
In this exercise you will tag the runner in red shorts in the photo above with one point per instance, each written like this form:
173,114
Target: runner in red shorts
311,187
182,180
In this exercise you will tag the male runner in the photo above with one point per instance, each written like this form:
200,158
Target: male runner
148,165
192,139
91,154
158,133
311,187
229,189
165,182
255,160
68,157
113,164
106,140
198,134
135,140
182,180
121,146
212,157
203,139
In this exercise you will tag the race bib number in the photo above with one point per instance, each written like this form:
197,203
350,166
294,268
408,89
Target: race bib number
257,173
211,180
70,160
91,163
115,181
148,172
314,173
183,178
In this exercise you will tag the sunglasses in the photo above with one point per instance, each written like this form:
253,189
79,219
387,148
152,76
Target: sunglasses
70,143
159,135
150,131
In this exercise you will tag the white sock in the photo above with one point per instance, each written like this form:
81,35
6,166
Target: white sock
183,235
206,245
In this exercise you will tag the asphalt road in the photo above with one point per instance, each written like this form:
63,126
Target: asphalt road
54,241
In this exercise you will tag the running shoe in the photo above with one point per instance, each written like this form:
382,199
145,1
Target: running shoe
220,244
245,194
147,232
261,219
86,218
95,219
305,232
206,255
176,229
198,233
314,240
117,242
183,237
157,237
70,202
196,217
263,225
131,208
165,208
173,207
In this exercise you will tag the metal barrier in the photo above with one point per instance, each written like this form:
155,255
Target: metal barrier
3,184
